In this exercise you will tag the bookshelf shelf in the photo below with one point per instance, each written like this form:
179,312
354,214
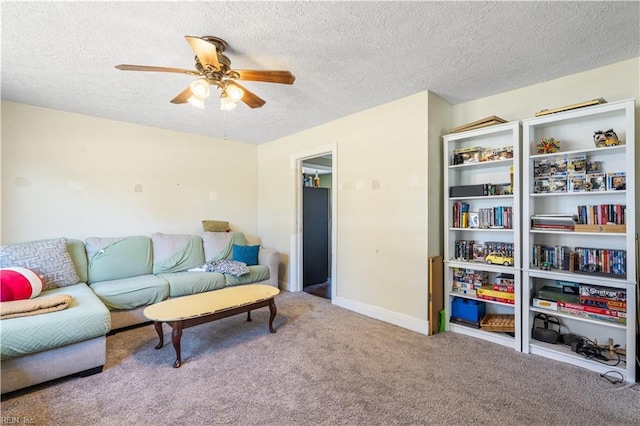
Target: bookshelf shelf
564,354
600,255
482,164
587,320
544,231
504,207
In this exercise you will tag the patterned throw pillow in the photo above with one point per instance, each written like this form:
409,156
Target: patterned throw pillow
48,258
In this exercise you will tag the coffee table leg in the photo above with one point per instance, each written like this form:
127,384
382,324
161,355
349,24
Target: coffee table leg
248,316
158,327
274,311
176,335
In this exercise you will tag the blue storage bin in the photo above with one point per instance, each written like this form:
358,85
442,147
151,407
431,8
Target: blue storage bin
467,309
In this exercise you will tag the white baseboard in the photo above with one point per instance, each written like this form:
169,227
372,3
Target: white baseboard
285,285
401,320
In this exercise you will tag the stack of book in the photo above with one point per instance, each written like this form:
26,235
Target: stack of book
586,301
554,222
502,290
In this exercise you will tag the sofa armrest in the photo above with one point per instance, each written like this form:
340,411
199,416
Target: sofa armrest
271,259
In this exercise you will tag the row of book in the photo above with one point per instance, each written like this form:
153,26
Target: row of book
602,214
584,300
471,250
581,259
493,217
605,261
553,257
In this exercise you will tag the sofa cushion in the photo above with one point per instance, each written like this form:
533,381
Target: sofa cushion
84,319
129,293
117,258
176,252
246,254
19,283
79,257
184,283
256,274
48,258
219,245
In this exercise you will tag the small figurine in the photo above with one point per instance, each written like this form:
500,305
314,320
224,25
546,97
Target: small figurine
548,146
606,138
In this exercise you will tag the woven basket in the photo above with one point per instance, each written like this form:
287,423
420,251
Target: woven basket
498,322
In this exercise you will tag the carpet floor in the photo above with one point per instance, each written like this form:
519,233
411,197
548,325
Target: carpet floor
324,366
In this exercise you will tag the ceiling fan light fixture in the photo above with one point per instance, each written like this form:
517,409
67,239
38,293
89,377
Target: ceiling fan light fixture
200,88
235,93
196,101
226,103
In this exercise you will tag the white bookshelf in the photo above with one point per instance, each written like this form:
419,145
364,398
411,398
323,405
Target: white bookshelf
493,172
575,129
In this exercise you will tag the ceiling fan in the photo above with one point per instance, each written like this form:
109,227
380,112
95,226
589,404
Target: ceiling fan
214,69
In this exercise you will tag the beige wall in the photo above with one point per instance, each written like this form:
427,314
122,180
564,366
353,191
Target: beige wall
381,200
77,176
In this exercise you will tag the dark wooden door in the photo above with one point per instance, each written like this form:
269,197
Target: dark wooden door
315,236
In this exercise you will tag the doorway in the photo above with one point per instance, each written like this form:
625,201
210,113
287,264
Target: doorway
316,225
323,162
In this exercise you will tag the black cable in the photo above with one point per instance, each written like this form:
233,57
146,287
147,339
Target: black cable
592,354
613,380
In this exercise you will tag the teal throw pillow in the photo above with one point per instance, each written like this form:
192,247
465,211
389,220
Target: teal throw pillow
246,254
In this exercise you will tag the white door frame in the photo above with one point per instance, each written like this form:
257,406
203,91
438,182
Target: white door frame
296,241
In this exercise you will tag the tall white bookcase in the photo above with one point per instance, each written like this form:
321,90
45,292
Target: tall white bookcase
499,146
603,256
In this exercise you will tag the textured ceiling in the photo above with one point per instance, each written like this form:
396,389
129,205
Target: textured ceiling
346,56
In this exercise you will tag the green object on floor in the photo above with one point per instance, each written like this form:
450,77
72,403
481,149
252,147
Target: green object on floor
442,318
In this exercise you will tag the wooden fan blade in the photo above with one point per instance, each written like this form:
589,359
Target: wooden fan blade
282,77
183,96
205,51
249,98
125,67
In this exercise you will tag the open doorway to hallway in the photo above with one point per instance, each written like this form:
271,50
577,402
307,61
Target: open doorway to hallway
317,224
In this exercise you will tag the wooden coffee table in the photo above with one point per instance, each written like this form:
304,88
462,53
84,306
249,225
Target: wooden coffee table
187,311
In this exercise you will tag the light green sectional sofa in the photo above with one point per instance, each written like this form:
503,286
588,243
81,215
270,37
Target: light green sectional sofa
111,281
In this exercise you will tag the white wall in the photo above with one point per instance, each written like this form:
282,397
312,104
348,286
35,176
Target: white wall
381,205
77,176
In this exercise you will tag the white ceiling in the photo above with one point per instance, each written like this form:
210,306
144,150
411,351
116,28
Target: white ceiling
346,56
